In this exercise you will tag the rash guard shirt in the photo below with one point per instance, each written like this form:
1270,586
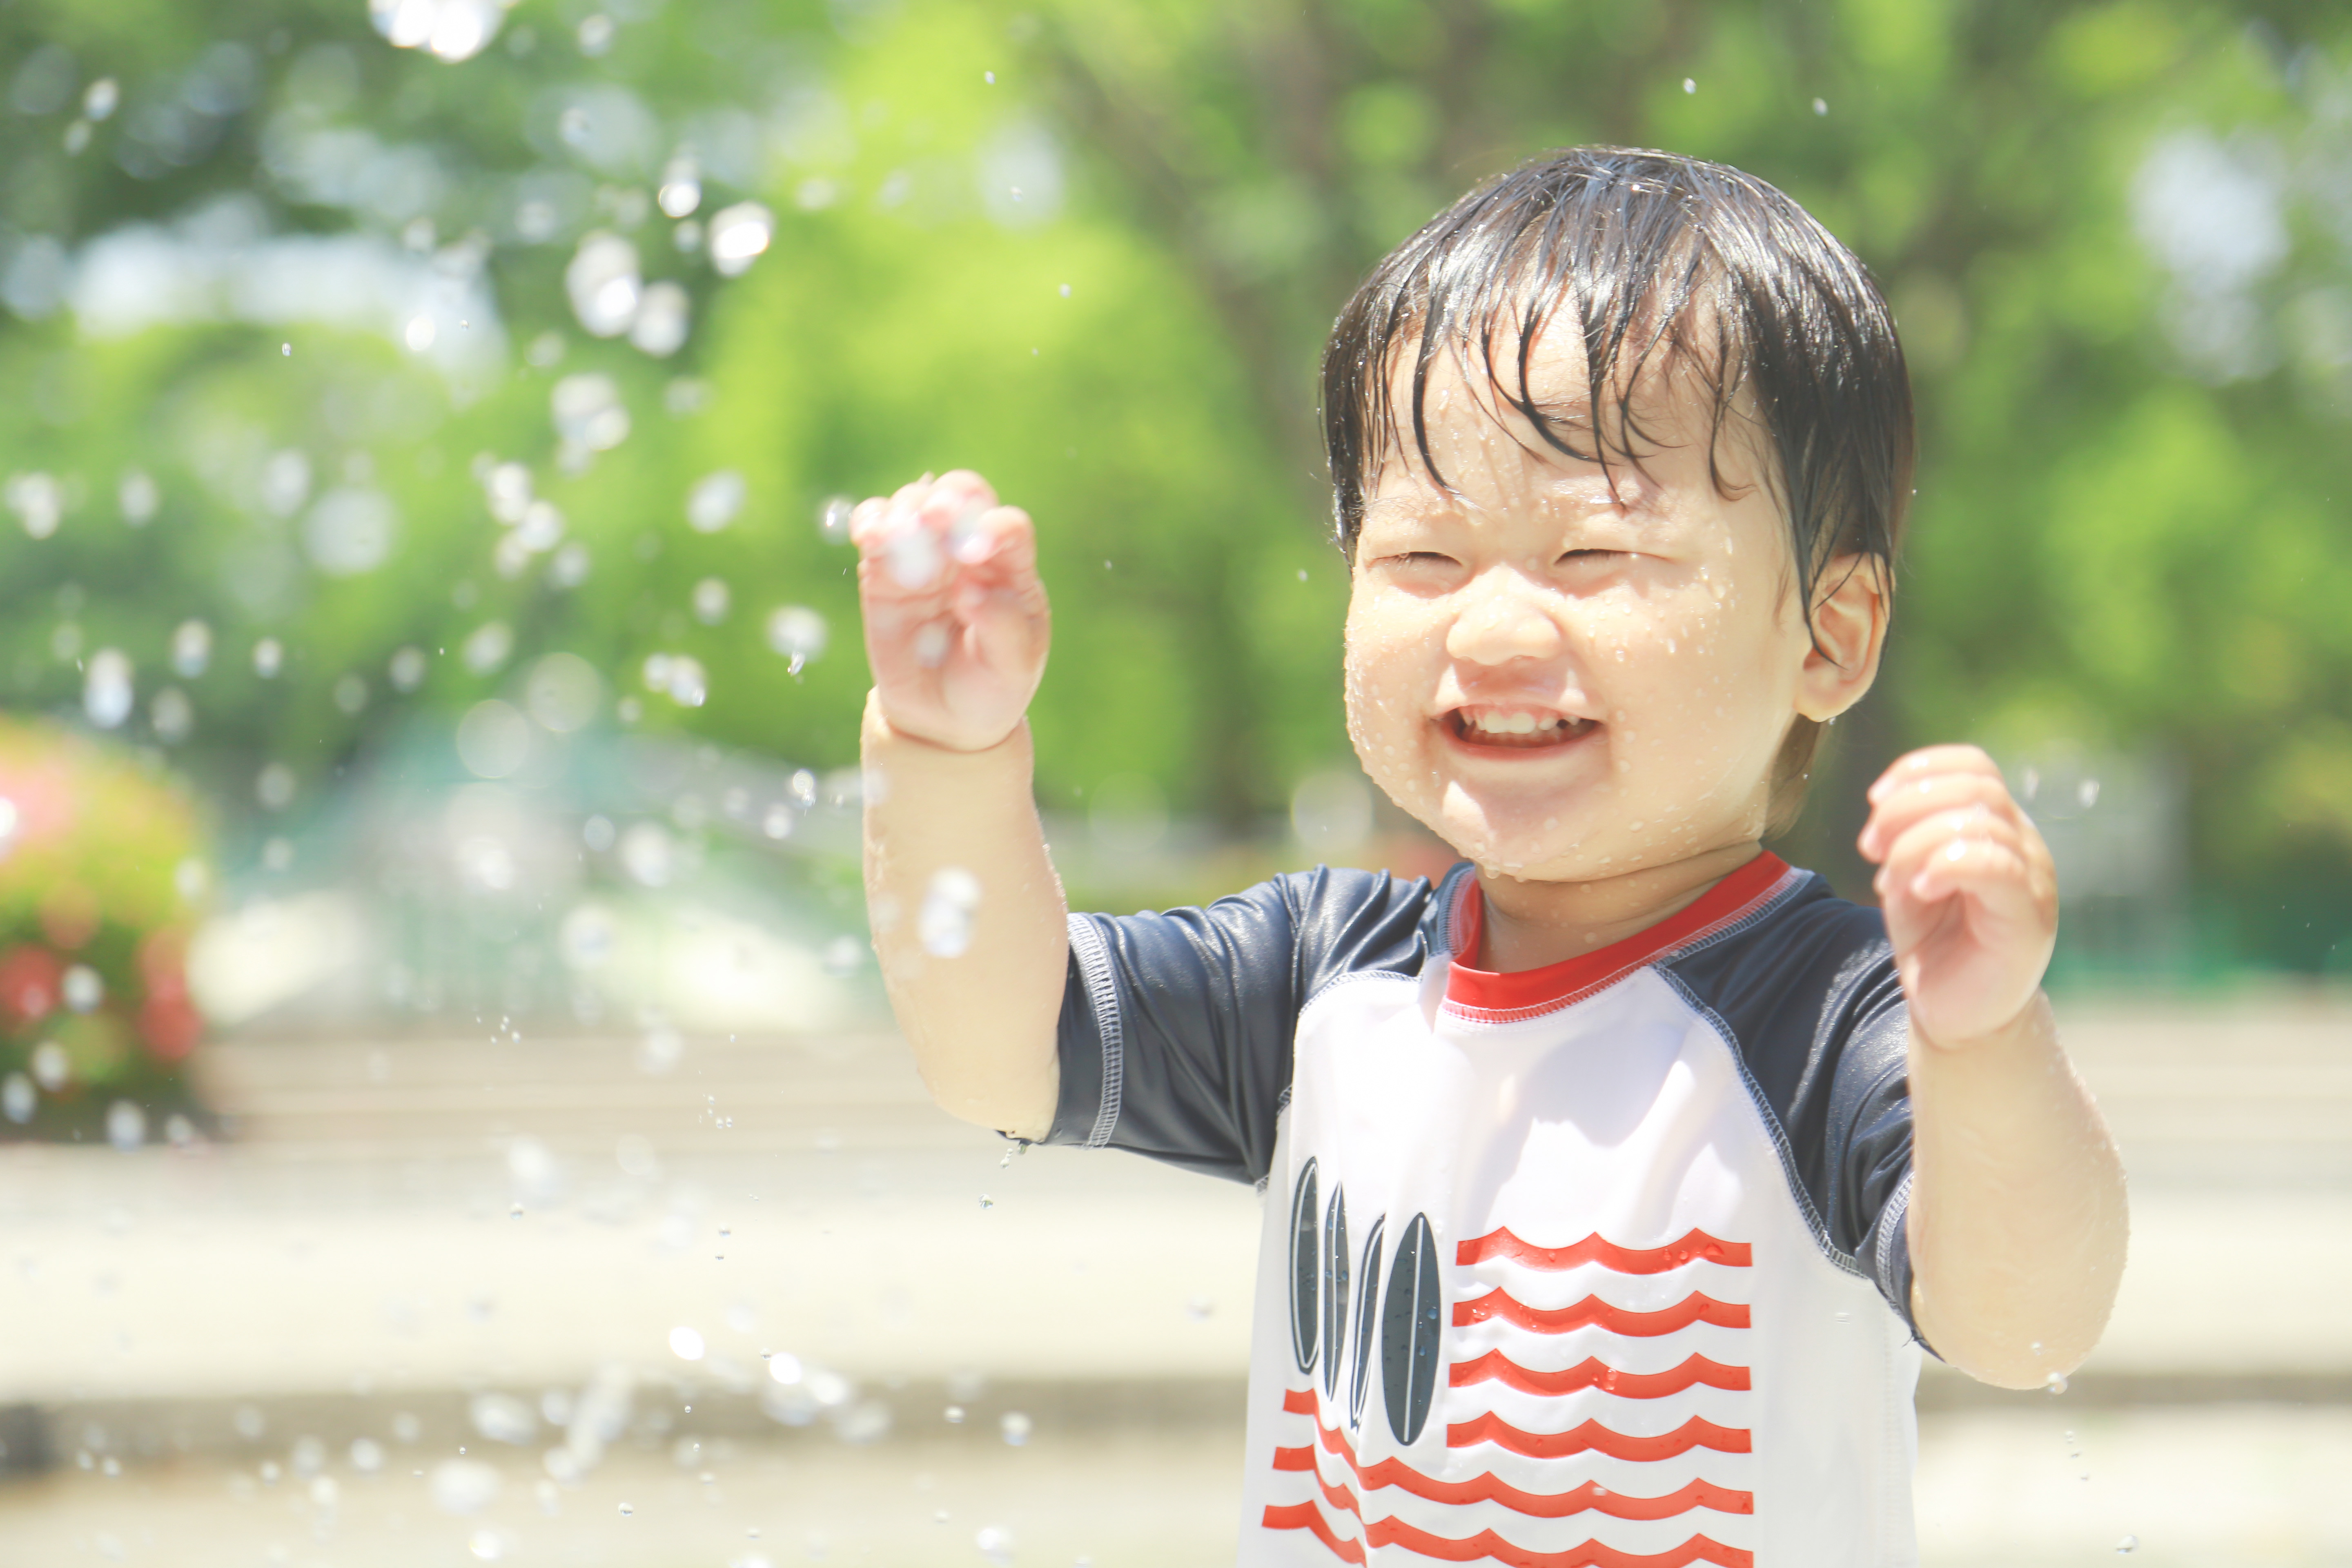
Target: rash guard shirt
1600,1265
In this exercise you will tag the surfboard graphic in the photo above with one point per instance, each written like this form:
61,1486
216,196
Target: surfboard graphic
1410,1330
1306,1265
1359,1373
1335,1288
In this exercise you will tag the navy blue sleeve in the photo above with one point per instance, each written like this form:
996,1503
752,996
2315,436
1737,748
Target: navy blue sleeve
1175,1034
1812,1000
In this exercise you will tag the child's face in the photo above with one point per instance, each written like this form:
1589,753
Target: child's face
1565,686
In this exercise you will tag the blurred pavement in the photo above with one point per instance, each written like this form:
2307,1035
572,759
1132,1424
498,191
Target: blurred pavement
401,1224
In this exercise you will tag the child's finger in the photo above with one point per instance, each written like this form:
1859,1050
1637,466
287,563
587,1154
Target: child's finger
1002,542
1933,759
1897,810
1922,840
1993,874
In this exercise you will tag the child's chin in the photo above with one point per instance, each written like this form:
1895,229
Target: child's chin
1533,851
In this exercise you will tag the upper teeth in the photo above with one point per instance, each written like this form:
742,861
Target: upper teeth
1513,723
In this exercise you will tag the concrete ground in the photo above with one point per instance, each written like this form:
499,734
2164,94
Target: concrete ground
265,1351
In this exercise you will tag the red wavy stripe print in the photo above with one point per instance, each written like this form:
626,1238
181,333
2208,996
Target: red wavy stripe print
1593,1437
1592,1555
1307,1517
1486,1543
1594,1312
1696,1246
1590,1497
1591,1373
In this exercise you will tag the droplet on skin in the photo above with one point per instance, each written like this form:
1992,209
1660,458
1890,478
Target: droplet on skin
931,643
913,556
2055,1382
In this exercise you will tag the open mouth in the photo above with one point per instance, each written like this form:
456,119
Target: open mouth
1516,729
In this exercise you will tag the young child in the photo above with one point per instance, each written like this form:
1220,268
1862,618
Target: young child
1612,1182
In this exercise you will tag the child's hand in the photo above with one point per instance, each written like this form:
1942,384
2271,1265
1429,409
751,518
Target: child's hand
956,620
1969,894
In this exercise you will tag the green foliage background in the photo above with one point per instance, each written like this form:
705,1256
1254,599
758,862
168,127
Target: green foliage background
2116,544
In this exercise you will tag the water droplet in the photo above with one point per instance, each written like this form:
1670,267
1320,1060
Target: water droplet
685,1343
2128,1544
137,496
715,501
1015,1428
681,187
798,632
832,519
710,599
2087,793
588,413
986,1202
2055,1382
1821,106
595,34
603,281
287,350
995,1543
953,1415
663,316
192,650
739,235
988,77
626,1510
463,1486
107,696
1688,86
914,556
944,925
126,1125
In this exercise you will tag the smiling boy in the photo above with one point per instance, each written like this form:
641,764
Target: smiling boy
1612,1182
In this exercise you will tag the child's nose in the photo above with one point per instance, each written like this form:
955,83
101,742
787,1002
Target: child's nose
1502,620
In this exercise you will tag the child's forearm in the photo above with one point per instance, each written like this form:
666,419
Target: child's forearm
2018,1221
976,984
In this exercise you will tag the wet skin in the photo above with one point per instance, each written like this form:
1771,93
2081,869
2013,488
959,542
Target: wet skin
1579,676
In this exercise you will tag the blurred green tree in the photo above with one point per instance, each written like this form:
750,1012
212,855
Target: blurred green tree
285,298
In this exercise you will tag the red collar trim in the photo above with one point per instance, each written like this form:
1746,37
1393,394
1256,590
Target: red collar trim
1524,994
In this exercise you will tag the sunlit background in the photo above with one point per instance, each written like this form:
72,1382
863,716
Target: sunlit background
449,1112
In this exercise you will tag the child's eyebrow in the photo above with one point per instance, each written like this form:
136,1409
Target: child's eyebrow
1409,510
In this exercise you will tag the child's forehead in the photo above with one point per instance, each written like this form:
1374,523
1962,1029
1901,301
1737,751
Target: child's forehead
1541,431
1497,380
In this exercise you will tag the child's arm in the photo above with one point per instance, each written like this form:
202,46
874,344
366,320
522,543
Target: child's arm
2017,1222
956,632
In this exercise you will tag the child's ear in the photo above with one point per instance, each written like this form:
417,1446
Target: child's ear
1849,612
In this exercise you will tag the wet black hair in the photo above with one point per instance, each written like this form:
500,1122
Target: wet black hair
1666,262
